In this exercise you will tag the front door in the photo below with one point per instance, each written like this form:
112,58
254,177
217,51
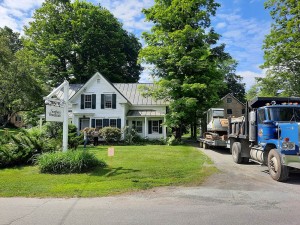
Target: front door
83,123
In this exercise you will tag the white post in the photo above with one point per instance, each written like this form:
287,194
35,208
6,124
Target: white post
66,116
146,124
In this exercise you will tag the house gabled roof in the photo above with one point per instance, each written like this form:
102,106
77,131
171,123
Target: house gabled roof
133,94
129,91
97,74
232,96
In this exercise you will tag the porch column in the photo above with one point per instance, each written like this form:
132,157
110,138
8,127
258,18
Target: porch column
164,128
146,127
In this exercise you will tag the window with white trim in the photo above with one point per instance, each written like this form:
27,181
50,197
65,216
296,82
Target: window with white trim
88,101
99,123
137,126
155,126
108,101
113,123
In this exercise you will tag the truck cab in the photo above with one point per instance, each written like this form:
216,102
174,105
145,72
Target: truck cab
268,134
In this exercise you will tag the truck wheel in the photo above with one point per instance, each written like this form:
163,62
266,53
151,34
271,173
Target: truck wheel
245,160
201,144
236,152
277,171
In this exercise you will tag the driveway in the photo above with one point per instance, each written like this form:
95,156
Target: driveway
239,194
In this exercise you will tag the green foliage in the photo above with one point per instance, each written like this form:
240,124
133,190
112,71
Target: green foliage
111,134
76,39
233,82
282,49
173,141
186,58
73,138
22,148
131,136
15,76
68,162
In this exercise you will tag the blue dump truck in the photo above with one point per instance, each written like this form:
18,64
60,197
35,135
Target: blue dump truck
268,134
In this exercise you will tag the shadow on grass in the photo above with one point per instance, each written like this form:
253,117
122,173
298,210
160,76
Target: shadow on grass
109,172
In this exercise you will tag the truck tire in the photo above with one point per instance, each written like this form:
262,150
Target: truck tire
277,171
201,144
236,152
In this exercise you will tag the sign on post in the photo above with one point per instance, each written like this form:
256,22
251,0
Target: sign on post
54,113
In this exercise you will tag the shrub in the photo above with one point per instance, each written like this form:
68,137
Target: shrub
68,162
24,147
73,138
173,141
111,134
132,137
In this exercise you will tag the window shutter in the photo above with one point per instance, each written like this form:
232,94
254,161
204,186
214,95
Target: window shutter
160,127
82,102
102,101
93,101
133,124
119,123
149,127
93,123
114,99
105,122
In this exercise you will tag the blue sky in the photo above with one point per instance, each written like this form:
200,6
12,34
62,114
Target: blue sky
243,25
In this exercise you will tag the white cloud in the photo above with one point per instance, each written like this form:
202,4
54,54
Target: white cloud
15,14
243,38
249,77
129,12
221,25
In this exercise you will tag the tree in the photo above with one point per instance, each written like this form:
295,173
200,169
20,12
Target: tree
186,58
282,48
76,39
233,82
19,90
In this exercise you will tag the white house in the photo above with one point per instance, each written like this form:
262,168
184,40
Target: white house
99,103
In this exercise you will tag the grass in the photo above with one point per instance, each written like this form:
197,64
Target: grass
132,168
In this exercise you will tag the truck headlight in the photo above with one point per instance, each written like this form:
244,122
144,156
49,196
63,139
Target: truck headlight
288,146
291,146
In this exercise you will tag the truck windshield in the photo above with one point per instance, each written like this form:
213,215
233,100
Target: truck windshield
287,114
218,113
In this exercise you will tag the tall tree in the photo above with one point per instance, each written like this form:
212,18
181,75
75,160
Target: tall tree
186,58
19,90
282,47
76,39
233,81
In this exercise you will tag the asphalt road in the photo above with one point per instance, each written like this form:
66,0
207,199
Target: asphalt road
240,194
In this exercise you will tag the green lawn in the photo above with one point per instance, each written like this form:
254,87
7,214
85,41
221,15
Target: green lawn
132,168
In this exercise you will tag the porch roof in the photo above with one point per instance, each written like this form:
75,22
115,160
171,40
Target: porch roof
143,113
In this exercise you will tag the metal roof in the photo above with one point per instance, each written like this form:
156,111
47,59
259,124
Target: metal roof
132,93
137,113
73,88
